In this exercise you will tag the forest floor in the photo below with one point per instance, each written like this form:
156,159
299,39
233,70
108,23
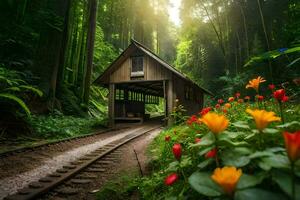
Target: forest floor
17,170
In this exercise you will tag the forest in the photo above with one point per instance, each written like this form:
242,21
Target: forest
52,51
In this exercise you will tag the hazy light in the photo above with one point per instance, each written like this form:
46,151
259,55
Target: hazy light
174,10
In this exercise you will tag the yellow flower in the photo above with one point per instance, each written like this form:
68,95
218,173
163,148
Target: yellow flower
227,178
262,118
216,123
254,83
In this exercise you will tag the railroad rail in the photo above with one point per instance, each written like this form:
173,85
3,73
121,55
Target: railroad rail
35,147
88,162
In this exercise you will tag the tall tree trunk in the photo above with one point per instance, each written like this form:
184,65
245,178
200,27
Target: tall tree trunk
62,11
245,30
90,48
266,36
263,24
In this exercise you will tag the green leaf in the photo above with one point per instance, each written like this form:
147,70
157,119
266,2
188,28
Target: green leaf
259,154
247,181
284,181
241,124
257,194
202,183
33,89
231,135
277,161
205,163
291,126
185,162
226,140
237,157
173,166
237,161
270,131
205,150
207,140
17,100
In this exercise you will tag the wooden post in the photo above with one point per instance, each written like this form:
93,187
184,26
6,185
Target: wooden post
170,101
111,105
165,99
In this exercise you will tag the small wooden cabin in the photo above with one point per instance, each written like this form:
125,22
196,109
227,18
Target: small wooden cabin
139,77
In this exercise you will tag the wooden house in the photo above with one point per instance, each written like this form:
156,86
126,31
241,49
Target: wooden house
139,77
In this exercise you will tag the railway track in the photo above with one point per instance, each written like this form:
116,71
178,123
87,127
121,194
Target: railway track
36,147
90,163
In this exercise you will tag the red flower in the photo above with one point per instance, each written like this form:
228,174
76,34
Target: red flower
217,106
172,178
285,99
225,111
211,154
279,94
177,151
237,95
260,97
192,119
272,87
292,145
247,98
197,140
167,138
220,101
205,111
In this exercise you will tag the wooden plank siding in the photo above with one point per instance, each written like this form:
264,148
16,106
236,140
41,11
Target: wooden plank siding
153,71
193,105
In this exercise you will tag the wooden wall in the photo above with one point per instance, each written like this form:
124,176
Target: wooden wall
192,106
152,71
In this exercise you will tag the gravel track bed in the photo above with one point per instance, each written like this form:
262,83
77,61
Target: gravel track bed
122,161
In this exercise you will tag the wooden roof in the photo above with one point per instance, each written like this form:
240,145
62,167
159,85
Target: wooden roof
129,50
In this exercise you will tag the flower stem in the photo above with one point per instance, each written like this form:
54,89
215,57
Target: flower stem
217,152
260,140
281,111
293,181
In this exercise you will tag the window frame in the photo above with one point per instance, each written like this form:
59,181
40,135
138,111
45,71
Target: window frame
137,73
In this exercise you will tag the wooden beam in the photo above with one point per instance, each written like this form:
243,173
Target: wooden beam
170,101
111,105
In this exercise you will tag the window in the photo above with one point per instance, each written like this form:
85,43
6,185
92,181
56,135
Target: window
188,92
137,68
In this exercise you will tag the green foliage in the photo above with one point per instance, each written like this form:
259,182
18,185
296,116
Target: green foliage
123,188
58,126
12,88
98,102
270,55
261,156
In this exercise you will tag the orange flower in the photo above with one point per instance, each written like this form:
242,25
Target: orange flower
227,178
254,83
216,123
292,145
227,105
240,100
231,99
262,118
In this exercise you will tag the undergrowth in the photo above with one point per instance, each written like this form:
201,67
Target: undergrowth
57,126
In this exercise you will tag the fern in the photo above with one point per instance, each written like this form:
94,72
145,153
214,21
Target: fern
17,100
33,89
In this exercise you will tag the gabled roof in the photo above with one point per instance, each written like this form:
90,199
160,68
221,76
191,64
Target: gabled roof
126,53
